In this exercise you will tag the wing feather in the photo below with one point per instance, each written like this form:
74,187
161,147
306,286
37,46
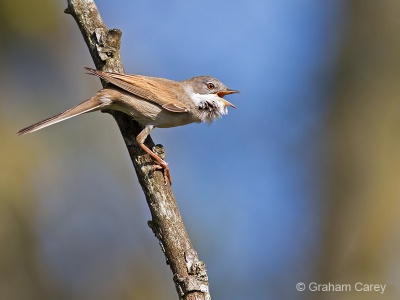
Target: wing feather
150,88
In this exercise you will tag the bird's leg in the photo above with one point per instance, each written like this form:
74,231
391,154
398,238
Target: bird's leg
162,164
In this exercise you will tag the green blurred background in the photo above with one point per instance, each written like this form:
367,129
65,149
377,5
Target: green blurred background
311,196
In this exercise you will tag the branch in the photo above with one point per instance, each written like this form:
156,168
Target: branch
189,273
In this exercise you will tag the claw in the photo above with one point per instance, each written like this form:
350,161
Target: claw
166,172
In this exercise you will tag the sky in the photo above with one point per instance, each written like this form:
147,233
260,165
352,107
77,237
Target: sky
252,175
248,184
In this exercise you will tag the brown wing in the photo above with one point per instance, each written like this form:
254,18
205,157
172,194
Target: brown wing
149,88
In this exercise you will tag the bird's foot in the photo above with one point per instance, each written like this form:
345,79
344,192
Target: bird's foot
163,166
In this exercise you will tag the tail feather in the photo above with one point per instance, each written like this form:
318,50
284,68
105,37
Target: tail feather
84,107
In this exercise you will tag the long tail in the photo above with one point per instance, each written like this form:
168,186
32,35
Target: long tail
86,106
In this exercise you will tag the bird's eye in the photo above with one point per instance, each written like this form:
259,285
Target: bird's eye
210,85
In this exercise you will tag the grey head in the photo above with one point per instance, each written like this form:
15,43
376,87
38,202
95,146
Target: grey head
207,93
207,85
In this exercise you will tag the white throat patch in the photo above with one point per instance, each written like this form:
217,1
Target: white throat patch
210,105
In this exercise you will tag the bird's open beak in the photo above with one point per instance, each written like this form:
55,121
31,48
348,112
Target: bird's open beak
224,93
227,92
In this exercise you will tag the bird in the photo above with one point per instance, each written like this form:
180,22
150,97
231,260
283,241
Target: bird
153,102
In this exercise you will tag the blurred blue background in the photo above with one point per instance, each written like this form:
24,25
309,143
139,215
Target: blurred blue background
250,186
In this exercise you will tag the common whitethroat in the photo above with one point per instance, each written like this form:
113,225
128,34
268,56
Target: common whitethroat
152,102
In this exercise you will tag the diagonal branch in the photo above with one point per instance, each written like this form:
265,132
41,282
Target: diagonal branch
189,273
